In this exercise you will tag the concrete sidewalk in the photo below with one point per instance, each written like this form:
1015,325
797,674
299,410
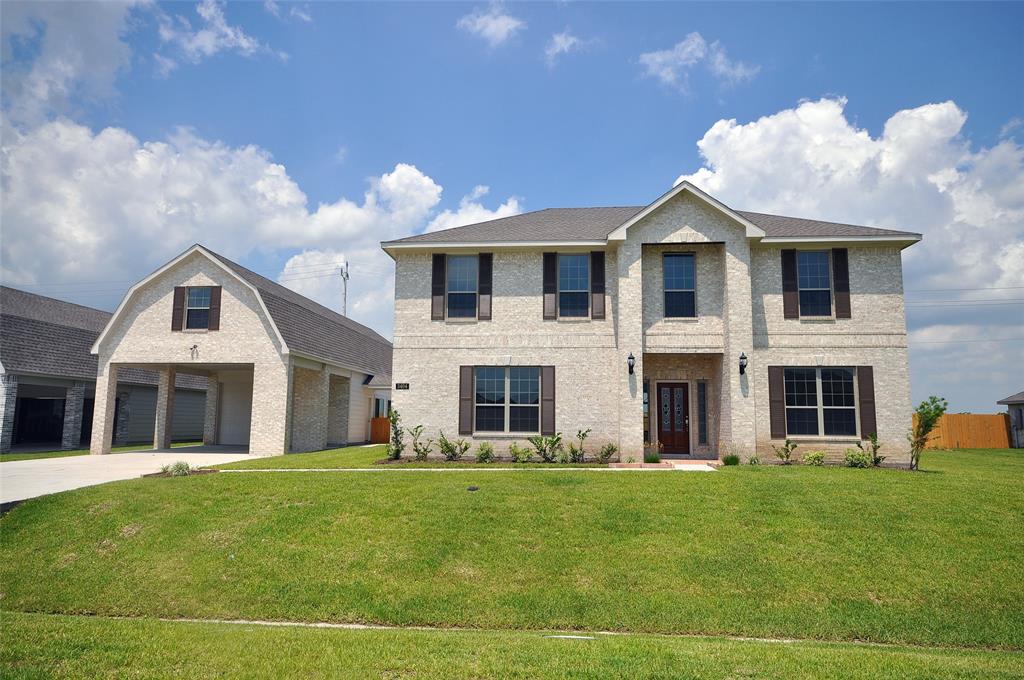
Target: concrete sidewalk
24,479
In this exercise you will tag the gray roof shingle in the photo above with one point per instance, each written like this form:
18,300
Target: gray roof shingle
1013,399
595,224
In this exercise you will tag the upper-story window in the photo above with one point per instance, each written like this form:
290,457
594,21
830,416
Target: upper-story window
574,284
462,277
197,308
680,285
812,267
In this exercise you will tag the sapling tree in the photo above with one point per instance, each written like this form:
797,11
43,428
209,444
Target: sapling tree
397,444
926,418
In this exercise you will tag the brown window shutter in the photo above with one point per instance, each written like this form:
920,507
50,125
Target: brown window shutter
597,284
484,287
214,324
866,396
550,285
790,294
178,310
465,400
547,400
841,282
437,285
777,401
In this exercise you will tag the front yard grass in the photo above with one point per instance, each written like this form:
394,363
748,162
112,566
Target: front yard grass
39,455
930,558
39,645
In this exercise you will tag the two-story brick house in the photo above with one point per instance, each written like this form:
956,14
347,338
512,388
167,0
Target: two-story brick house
682,323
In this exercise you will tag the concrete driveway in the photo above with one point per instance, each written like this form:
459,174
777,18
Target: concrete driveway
22,479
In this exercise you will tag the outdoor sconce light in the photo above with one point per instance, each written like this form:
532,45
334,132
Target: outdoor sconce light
631,362
743,363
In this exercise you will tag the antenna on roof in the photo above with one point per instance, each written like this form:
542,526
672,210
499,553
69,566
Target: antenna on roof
344,287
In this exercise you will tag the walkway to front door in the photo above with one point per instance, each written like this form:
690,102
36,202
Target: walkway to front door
674,417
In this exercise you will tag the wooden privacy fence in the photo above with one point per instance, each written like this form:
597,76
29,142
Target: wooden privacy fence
380,430
970,431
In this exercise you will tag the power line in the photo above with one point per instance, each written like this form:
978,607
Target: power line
965,342
966,303
955,290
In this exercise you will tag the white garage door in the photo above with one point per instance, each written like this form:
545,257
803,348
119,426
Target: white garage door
235,408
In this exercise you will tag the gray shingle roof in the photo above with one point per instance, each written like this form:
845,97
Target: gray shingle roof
595,224
312,329
1013,399
49,337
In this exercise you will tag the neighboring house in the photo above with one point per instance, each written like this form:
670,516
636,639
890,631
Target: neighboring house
48,376
1015,408
682,324
284,373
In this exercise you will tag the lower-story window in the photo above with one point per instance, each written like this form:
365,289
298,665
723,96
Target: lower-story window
507,399
820,401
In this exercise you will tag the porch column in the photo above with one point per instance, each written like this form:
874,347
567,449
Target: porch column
73,402
338,411
737,423
310,399
212,409
124,414
629,309
103,411
8,401
164,409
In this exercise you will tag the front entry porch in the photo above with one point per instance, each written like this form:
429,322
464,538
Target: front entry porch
681,405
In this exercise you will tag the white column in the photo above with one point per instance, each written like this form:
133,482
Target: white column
164,409
103,411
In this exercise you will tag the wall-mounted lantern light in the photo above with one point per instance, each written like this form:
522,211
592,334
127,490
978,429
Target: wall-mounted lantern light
743,363
631,362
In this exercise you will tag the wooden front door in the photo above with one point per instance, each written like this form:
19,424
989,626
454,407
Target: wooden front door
674,417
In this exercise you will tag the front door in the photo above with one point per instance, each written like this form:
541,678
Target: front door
674,417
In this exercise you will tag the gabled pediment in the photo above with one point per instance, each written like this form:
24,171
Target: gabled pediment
751,229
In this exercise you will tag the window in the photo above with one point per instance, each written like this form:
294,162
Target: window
647,411
820,401
507,399
702,412
680,285
197,308
462,286
812,270
574,285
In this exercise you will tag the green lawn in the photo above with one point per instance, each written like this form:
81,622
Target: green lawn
39,455
37,645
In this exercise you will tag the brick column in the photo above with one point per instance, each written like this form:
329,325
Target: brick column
629,310
737,427
124,414
73,401
164,409
8,401
310,399
103,411
338,411
212,410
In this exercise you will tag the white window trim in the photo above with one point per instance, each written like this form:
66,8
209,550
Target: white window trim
189,307
821,436
448,293
560,290
508,405
831,286
665,289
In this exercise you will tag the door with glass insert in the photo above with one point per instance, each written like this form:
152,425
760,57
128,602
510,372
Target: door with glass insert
674,417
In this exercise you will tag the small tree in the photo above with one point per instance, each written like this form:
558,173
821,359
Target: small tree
785,452
927,415
420,447
397,445
872,447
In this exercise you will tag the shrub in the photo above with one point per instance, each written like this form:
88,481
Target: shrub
815,458
730,459
652,455
575,454
452,450
561,457
581,435
606,453
872,448
785,452
397,444
485,453
754,459
926,417
520,454
856,458
178,468
420,448
547,447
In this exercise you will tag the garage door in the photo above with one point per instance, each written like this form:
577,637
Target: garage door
235,409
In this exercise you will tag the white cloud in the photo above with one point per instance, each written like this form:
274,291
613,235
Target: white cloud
559,44
213,35
316,274
472,211
672,67
294,12
79,53
341,154
493,25
921,175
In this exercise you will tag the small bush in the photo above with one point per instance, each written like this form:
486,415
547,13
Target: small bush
856,458
652,455
815,458
581,435
485,453
785,452
575,454
519,454
606,453
547,447
872,448
420,447
397,444
731,459
178,468
452,450
754,459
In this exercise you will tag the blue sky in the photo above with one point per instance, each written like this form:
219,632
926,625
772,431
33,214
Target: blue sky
293,135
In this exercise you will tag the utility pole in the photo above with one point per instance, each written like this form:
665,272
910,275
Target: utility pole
344,288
